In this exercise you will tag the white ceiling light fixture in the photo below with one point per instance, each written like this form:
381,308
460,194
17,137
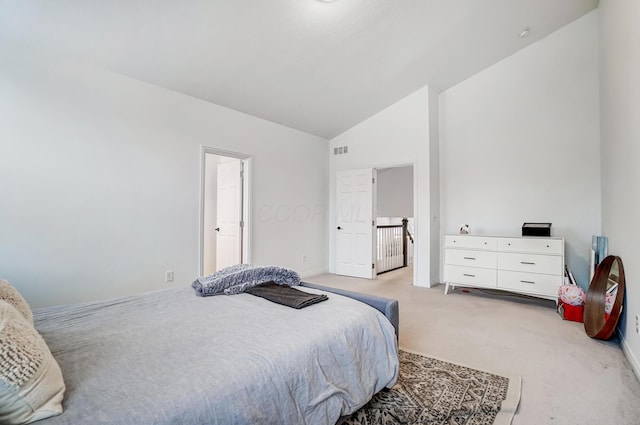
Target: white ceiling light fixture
523,32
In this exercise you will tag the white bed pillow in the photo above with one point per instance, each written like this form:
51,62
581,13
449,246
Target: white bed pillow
11,295
31,384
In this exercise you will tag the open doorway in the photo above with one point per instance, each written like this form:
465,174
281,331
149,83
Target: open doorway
224,224
374,220
395,236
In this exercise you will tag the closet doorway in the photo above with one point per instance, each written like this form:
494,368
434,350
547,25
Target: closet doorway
224,206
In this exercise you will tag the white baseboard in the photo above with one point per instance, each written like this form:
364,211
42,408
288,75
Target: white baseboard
633,360
423,283
311,273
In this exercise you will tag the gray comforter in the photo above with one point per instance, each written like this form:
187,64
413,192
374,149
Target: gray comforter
169,357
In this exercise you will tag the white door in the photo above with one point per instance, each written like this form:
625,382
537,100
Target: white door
354,223
229,214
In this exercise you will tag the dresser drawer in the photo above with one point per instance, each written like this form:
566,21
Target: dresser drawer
470,276
531,283
470,242
537,245
532,263
469,258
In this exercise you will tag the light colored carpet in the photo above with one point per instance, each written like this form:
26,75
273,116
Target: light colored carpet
436,392
567,378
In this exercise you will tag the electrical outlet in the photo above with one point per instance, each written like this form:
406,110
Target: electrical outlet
304,258
637,324
168,276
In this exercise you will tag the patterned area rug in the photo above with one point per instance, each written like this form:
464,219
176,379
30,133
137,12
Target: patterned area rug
435,392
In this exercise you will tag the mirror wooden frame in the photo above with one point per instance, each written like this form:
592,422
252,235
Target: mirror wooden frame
596,324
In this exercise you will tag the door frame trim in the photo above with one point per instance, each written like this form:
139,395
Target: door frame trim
246,201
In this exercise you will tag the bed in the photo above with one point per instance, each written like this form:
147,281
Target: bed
169,357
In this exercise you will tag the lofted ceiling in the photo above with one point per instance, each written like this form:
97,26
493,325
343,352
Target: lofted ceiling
320,67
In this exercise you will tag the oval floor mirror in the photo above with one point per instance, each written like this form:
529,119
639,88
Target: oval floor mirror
604,299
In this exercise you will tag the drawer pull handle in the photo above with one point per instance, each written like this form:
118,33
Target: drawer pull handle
528,281
528,263
468,275
469,258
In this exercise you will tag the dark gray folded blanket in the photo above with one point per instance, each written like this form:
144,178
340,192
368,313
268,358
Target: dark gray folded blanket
285,295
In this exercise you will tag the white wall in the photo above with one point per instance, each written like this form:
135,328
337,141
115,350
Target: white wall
620,132
395,192
100,181
520,142
398,135
434,181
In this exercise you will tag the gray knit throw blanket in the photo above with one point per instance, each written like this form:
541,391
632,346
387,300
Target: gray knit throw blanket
238,278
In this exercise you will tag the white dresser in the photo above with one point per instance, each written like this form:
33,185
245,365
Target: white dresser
527,265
